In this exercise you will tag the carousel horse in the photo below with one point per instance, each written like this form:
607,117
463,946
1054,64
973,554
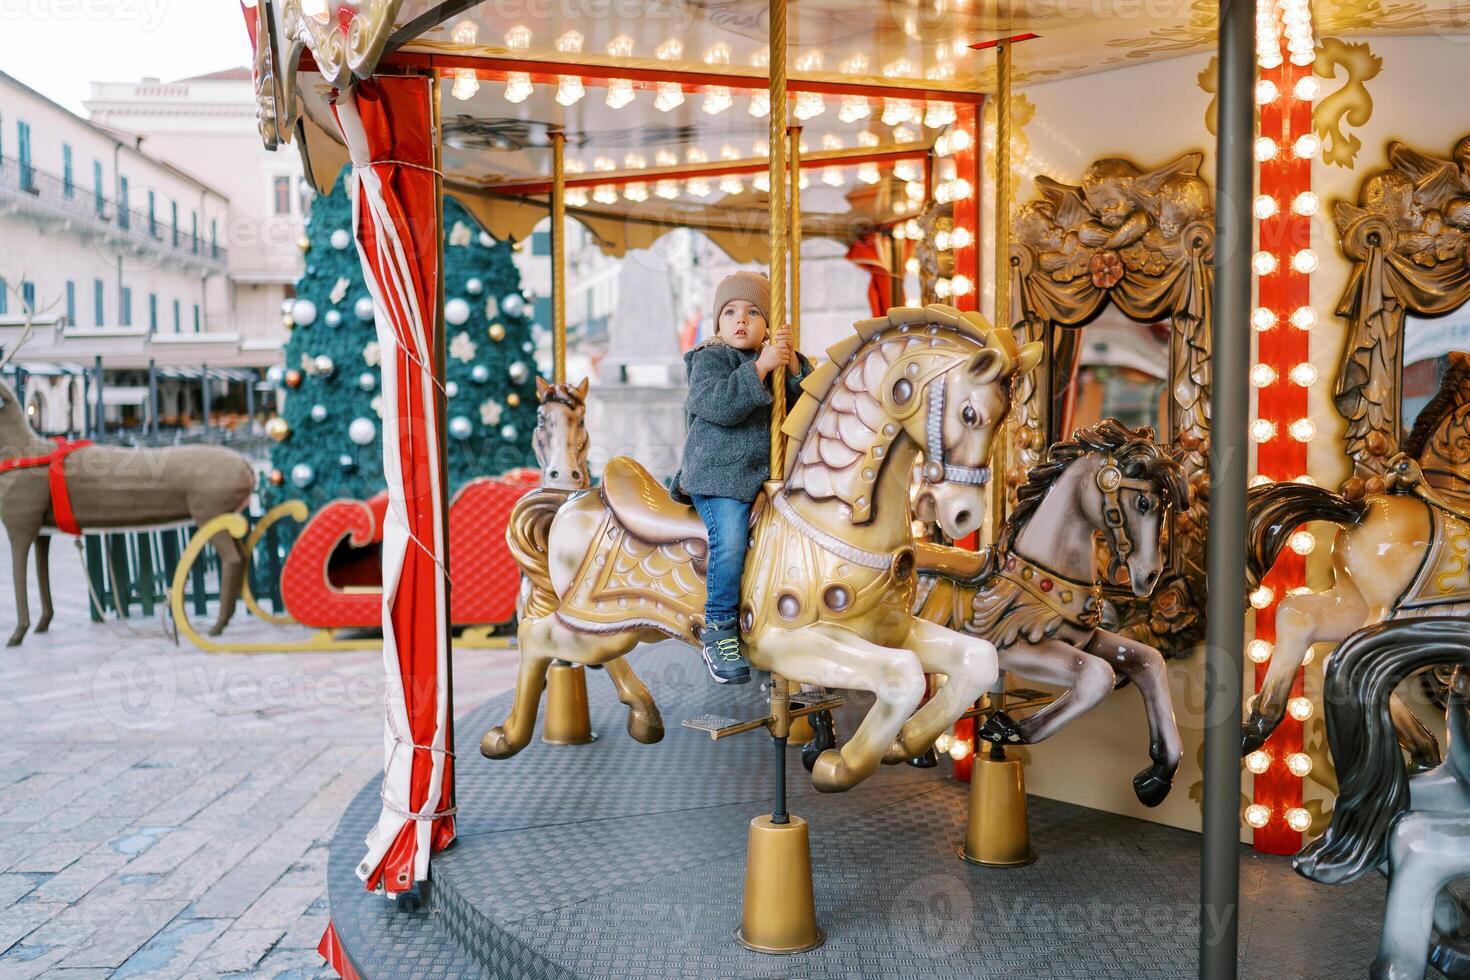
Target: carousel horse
560,439
1410,827
1397,554
1038,600
829,584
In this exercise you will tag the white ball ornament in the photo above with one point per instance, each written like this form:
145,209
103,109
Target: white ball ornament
318,413
485,240
276,375
474,286
460,427
362,431
451,389
303,311
302,475
347,463
333,318
367,381
519,372
508,432
363,308
456,311
324,365
513,305
341,239
480,373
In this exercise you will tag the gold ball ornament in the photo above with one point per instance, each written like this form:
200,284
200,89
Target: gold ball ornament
513,399
303,243
277,478
278,429
497,332
293,378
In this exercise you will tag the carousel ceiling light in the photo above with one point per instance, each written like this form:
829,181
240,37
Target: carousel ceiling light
728,152
960,285
761,148
667,189
575,197
1303,430
466,32
619,92
961,237
718,54
1304,261
948,170
635,161
761,182
1262,597
809,61
1307,146
466,84
569,90
854,107
731,184
1304,318
911,265
899,233
605,194
1299,708
1264,206
942,147
1299,819
1263,263
868,173
1302,542
695,155
1258,815
569,43
833,177
1266,92
961,189
1306,88
960,749
831,141
1258,761
906,170
1265,149
636,191
1300,764
1304,480
943,193
1263,319
905,134
670,96
670,50
867,138
1304,375
760,103
716,100
518,87
940,73
620,46
1306,204
912,229
809,105
804,181
761,57
603,163
1268,34
943,742
576,167
1263,376
856,64
939,114
666,158
942,288
902,68
1263,430
942,240
1259,651
518,38
897,111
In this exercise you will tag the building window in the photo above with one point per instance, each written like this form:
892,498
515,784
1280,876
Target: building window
99,302
27,175
174,206
194,234
71,303
28,296
178,323
153,313
196,317
281,193
124,306
67,181
152,214
540,243
97,186
214,238
4,297
124,212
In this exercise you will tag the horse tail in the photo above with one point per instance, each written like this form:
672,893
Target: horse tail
526,534
1275,510
1374,783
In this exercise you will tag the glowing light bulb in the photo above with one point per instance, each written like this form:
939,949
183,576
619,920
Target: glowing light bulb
637,191
809,105
1266,92
943,742
698,187
868,173
1263,319
716,100
897,111
569,89
619,92
465,84
1258,761
1306,204
1304,261
1307,146
856,64
1263,263
569,43
605,194
669,50
833,177
960,189
696,154
731,184
1299,708
1262,597
1257,815
959,749
760,103
960,285
867,138
1303,430
1263,430
670,96
960,140
1302,542
1298,819
1259,480
912,229
518,87
666,158
911,265
1299,764
518,38
1304,318
961,238
1303,375
761,181
906,170
576,197
1304,480
938,114
667,189
1264,206
942,240
1263,375
1259,651
942,288
1306,88
1265,149
915,190
854,107
718,54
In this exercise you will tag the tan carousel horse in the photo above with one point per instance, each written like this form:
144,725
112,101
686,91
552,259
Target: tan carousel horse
560,439
830,579
1398,554
1037,596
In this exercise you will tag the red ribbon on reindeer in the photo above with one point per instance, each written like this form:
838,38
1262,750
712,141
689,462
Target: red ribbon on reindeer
55,461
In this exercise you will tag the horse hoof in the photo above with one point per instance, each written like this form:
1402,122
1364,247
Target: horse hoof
1253,734
645,728
830,774
1151,786
43,626
16,637
216,629
897,753
925,760
1001,729
495,745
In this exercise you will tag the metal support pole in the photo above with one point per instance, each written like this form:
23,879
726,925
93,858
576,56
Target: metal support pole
153,398
204,395
558,258
20,391
1000,457
794,139
780,733
1225,555
249,402
777,223
101,426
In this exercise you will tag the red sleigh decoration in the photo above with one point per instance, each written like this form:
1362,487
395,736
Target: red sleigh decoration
326,586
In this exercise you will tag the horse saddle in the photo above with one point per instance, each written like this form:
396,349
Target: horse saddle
643,507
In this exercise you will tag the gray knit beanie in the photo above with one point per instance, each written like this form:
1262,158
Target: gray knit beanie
753,287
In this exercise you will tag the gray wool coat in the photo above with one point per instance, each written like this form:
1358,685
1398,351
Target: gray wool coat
727,452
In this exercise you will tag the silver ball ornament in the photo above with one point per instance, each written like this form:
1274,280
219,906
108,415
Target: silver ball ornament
318,413
302,475
451,388
460,427
362,431
456,311
367,381
333,318
508,432
303,311
513,304
480,374
363,308
341,239
324,365
519,372
474,286
346,463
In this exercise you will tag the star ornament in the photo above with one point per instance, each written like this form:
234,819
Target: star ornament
459,235
372,353
490,410
462,348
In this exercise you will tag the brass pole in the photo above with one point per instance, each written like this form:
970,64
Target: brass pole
558,258
795,218
1000,461
777,224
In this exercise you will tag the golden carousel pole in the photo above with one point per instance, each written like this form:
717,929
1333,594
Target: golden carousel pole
996,834
567,719
779,914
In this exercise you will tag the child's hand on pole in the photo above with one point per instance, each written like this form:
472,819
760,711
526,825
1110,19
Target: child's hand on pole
782,339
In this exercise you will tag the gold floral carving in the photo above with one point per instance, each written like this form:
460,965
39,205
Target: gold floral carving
1350,104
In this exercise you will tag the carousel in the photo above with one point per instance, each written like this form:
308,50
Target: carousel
1155,303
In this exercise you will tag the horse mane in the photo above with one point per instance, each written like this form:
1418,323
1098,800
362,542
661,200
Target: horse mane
1453,392
1135,452
842,392
565,394
1373,784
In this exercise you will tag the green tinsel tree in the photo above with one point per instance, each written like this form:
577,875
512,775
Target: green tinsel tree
332,441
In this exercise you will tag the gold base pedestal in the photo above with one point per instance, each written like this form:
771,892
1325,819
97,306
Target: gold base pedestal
801,731
780,913
996,834
567,720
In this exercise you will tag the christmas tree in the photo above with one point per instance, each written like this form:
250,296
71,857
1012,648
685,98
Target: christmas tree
328,434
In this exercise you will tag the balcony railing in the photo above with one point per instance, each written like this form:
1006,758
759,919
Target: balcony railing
38,189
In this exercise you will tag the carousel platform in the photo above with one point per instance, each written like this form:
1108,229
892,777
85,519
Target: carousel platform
617,859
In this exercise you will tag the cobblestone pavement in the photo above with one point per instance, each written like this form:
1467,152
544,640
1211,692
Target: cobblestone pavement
165,812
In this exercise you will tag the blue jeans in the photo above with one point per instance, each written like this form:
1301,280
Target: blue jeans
727,521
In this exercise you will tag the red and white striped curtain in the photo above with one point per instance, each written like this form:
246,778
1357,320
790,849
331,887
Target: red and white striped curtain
388,125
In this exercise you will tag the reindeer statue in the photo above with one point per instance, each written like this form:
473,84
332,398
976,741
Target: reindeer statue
77,486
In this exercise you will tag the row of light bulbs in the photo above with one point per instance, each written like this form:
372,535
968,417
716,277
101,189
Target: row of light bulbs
1298,818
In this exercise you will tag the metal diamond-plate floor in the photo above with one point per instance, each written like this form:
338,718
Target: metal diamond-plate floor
624,860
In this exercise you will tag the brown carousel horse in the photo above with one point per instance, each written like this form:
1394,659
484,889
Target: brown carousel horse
1037,595
1398,554
829,585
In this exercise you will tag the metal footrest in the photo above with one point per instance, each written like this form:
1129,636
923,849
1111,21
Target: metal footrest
807,702
722,726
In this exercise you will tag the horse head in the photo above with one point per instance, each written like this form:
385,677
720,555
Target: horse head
16,434
1133,482
560,439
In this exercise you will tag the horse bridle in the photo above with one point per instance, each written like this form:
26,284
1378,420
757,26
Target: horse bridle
936,470
1111,482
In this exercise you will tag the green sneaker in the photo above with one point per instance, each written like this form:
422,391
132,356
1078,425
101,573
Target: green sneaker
724,653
